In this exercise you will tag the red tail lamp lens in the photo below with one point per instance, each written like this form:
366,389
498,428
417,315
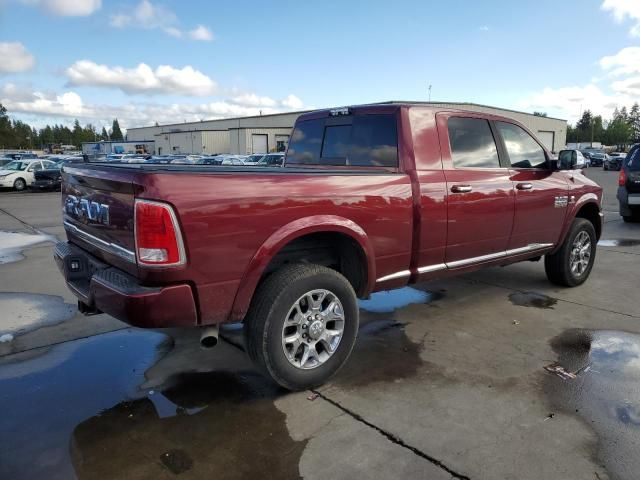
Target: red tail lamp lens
158,238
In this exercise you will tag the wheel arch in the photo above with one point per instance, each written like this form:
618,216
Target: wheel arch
331,226
587,207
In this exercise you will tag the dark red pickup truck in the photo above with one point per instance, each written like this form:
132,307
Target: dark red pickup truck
371,198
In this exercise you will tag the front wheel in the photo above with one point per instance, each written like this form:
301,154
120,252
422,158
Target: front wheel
19,184
302,325
571,265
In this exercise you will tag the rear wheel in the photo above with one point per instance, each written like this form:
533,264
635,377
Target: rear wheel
19,184
571,265
302,325
633,218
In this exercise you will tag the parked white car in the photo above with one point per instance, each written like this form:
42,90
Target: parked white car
19,173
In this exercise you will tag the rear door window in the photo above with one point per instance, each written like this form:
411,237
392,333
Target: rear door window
472,143
360,140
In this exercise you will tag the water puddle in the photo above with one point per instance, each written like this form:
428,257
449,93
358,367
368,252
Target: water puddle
383,353
604,393
623,242
388,301
84,409
12,244
532,299
22,312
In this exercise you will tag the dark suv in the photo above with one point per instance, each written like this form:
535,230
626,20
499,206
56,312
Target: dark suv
629,186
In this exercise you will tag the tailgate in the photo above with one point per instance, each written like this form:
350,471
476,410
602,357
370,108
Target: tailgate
98,213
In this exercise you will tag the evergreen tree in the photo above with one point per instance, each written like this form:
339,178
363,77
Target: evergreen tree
583,126
104,135
116,133
634,122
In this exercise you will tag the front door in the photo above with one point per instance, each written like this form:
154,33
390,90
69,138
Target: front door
542,194
480,194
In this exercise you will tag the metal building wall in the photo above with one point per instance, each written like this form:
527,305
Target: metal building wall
271,137
214,142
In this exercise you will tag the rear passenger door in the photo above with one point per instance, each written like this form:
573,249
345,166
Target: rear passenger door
542,193
480,194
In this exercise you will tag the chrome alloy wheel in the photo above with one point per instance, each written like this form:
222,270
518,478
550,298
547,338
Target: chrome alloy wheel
313,329
580,254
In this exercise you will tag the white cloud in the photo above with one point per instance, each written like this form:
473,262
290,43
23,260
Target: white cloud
40,108
173,31
253,100
484,28
153,16
15,57
292,102
628,86
569,102
625,62
142,79
17,100
602,95
67,8
201,33
622,9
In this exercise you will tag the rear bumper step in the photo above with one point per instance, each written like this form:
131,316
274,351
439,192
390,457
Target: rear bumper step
103,288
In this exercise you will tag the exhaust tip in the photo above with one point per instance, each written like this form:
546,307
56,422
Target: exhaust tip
209,337
209,341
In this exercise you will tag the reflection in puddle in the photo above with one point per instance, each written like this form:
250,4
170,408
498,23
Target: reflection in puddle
78,410
532,299
13,243
624,242
388,301
383,353
605,393
22,312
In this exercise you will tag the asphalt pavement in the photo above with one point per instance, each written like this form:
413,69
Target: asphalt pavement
492,375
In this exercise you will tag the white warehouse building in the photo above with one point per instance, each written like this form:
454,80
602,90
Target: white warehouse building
270,133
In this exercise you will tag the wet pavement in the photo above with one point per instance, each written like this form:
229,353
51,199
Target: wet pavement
605,393
446,380
13,243
621,242
532,299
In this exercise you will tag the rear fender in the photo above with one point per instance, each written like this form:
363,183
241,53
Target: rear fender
288,233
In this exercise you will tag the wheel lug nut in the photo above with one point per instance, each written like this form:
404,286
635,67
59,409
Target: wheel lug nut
304,325
317,317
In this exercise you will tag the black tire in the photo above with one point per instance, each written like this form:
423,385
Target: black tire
557,265
264,323
20,185
634,218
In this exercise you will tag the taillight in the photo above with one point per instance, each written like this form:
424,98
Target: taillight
622,178
158,237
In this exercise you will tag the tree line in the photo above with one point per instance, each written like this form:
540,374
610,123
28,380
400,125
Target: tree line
622,130
18,134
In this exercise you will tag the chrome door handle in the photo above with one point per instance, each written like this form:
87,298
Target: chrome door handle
524,186
461,188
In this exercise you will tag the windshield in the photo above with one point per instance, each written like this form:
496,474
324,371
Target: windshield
16,166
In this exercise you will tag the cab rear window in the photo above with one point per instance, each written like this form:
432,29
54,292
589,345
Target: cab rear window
359,140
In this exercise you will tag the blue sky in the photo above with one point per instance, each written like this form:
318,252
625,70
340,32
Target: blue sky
167,61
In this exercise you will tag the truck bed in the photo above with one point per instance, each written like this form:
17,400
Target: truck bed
230,216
